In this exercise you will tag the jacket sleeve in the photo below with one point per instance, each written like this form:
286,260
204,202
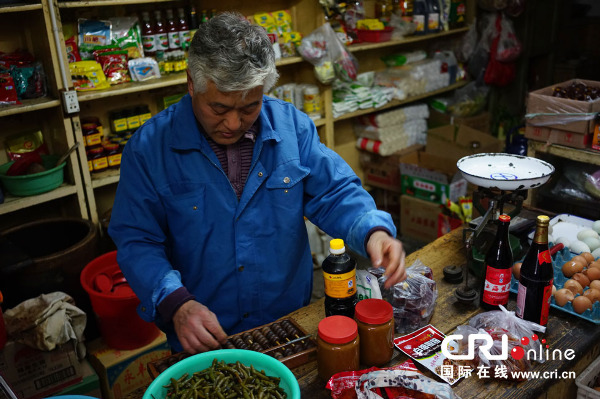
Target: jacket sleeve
137,226
334,197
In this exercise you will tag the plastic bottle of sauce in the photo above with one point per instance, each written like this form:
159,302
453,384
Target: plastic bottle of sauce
148,35
339,273
433,16
160,32
420,16
375,320
338,346
184,29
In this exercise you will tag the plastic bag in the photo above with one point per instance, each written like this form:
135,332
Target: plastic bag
499,73
413,299
126,34
327,53
468,44
509,46
408,380
469,100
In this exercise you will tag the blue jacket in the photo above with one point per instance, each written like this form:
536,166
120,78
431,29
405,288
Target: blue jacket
177,221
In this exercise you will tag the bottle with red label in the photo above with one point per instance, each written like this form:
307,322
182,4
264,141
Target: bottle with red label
160,32
537,276
498,269
148,38
184,29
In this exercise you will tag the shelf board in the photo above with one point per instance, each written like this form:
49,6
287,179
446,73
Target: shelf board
28,106
576,154
97,3
395,103
105,178
133,87
12,203
406,40
20,7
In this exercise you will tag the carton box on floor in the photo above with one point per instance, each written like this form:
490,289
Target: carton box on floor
32,373
418,218
383,172
456,141
562,110
89,386
123,371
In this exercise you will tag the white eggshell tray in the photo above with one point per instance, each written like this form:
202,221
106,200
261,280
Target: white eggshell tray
565,225
505,171
558,260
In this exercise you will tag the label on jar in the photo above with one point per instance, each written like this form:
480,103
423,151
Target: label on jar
90,165
100,163
144,117
133,122
93,139
114,160
340,285
120,125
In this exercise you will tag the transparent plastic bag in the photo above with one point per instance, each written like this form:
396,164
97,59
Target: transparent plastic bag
469,100
509,46
413,299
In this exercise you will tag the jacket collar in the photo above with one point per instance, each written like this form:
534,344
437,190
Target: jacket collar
186,134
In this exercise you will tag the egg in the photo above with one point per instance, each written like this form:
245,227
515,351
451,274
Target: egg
595,284
596,253
553,289
564,241
581,279
593,273
550,238
574,286
550,229
596,226
587,233
571,267
579,247
593,294
588,257
517,270
592,242
581,304
580,259
595,264
563,296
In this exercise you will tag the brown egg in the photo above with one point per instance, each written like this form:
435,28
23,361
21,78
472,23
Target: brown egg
571,267
562,296
593,273
553,289
593,294
581,279
580,259
516,269
595,264
588,257
574,286
581,304
595,284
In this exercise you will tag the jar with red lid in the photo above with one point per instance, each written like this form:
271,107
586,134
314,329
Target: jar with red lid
338,346
113,155
375,321
98,157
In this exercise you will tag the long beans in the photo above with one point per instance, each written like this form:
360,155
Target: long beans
225,381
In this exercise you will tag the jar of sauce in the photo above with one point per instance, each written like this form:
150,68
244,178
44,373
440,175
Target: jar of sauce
113,155
338,346
98,158
375,320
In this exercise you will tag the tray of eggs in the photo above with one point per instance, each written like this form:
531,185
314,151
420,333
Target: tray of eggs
576,284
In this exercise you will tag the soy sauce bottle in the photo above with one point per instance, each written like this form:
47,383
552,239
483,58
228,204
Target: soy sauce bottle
537,276
498,269
339,273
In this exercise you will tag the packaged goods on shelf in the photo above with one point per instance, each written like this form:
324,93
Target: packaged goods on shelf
27,75
414,79
395,116
142,69
306,97
88,75
352,97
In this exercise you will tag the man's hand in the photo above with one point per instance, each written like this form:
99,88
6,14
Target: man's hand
387,252
197,328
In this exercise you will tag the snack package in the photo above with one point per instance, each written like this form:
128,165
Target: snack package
142,69
126,34
413,299
8,91
29,79
401,385
114,64
21,144
88,75
92,33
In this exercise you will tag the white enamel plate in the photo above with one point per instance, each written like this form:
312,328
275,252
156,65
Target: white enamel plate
507,172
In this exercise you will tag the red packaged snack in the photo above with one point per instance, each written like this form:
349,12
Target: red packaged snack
72,49
8,91
114,65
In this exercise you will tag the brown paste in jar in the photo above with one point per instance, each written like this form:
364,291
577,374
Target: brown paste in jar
338,346
375,321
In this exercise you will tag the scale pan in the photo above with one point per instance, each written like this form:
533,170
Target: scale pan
506,172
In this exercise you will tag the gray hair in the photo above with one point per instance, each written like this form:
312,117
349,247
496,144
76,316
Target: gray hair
232,53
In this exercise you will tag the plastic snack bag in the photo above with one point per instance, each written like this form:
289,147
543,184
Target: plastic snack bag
126,34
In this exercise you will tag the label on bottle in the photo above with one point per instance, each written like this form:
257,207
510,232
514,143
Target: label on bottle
544,257
340,285
419,21
149,43
174,40
184,37
497,286
162,42
433,23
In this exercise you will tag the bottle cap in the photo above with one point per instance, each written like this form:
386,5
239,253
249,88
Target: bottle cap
336,246
337,329
373,311
543,220
504,218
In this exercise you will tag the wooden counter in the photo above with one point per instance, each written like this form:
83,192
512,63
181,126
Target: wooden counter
564,332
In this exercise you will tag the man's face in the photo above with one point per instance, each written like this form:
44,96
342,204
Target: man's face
225,117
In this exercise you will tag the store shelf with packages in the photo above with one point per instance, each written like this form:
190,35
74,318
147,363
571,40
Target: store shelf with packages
12,203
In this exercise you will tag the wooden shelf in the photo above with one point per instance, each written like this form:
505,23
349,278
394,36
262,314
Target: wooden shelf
20,7
105,178
404,41
395,103
575,154
28,106
12,203
100,3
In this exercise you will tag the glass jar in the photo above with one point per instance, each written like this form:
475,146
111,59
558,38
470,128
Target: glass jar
338,346
375,321
98,157
113,155
91,135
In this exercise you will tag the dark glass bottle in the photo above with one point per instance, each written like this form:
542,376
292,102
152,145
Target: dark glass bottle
498,269
148,37
339,272
537,276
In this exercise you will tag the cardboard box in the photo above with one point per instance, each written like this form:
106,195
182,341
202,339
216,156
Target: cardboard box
123,371
556,136
32,373
541,102
418,218
455,142
89,385
479,122
431,185
383,172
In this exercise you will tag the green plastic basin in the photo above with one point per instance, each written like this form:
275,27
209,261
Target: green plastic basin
36,183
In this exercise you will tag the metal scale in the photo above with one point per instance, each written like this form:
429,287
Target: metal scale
501,179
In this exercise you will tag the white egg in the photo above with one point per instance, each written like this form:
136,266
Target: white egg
592,242
596,253
551,238
579,247
563,240
596,226
550,229
587,233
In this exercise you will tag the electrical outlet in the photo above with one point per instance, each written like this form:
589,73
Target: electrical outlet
70,102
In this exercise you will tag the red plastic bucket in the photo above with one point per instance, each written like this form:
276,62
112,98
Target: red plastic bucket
120,325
